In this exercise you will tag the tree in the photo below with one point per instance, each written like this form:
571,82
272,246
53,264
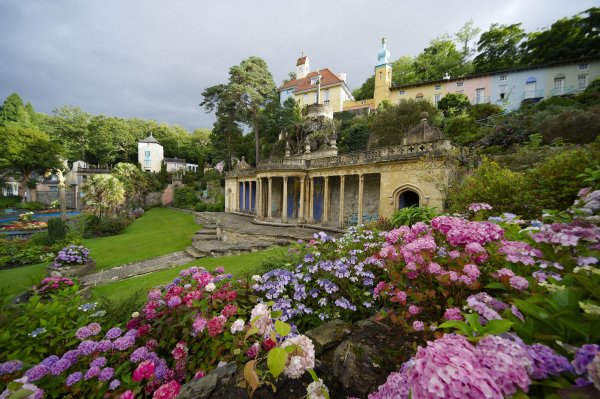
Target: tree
499,48
12,109
454,104
439,58
366,91
403,71
464,37
26,150
134,181
70,126
103,194
566,39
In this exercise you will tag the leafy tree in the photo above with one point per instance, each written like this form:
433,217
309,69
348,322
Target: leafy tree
499,48
464,37
439,58
12,109
70,126
566,39
134,182
392,121
403,71
366,91
103,194
454,104
26,150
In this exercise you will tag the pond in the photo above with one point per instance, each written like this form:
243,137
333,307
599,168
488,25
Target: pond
14,216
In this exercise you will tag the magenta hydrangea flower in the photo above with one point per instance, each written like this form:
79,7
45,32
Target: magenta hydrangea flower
453,314
412,309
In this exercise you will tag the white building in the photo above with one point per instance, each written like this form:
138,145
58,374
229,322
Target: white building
150,154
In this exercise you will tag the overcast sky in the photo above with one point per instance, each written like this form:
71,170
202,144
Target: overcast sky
152,59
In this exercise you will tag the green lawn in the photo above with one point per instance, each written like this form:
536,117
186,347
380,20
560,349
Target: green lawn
159,232
236,265
14,281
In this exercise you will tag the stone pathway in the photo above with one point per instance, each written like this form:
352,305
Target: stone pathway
137,268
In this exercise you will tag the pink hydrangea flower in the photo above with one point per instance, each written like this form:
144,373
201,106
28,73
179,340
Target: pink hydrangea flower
170,390
519,283
453,314
215,325
144,370
418,325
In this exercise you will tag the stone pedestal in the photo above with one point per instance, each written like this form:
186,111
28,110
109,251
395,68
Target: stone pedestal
74,270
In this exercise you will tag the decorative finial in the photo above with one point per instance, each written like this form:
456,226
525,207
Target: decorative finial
383,41
302,54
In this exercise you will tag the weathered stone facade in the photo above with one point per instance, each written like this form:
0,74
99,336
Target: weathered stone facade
373,183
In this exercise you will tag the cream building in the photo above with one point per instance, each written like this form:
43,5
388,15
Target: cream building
150,154
316,87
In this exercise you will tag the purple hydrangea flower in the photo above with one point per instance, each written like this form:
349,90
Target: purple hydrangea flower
104,346
50,360
91,373
73,378
174,301
87,347
72,355
60,366
11,366
83,333
113,333
37,372
546,362
584,356
114,384
106,374
98,362
139,354
123,343
131,333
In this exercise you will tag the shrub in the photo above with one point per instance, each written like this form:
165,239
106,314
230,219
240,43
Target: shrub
10,201
571,124
411,215
102,227
185,197
72,255
57,230
482,111
454,104
200,206
136,213
40,239
505,190
31,206
463,130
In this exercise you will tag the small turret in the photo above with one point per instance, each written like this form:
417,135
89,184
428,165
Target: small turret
302,66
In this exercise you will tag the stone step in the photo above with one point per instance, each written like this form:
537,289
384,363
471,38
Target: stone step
194,253
206,232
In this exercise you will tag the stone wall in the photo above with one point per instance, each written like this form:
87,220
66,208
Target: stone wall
46,197
154,199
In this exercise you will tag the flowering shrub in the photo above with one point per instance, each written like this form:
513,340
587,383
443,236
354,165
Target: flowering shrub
335,279
72,255
52,284
136,213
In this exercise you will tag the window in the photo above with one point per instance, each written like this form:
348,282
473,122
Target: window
581,82
559,86
419,96
583,67
326,96
503,77
438,87
313,81
530,89
479,96
147,154
459,84
503,91
305,99
437,98
402,92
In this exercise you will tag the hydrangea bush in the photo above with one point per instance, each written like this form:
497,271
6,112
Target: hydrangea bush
72,255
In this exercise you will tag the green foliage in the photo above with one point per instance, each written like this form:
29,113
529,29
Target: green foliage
411,215
499,48
59,317
31,206
135,182
9,201
474,330
453,104
185,197
366,90
103,194
439,58
463,130
105,226
57,230
591,177
118,312
505,190
354,133
482,111
569,123
393,121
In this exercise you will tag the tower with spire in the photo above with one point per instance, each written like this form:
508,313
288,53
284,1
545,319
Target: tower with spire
383,75
302,66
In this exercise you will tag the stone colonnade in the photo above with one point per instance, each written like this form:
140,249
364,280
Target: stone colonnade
334,201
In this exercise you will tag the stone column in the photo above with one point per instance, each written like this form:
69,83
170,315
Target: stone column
63,200
301,208
259,208
250,196
243,194
361,186
325,200
269,199
341,215
311,199
284,207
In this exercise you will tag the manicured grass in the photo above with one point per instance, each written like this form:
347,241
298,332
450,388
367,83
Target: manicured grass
236,265
159,232
14,281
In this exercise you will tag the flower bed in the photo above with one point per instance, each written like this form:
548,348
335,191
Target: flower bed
507,310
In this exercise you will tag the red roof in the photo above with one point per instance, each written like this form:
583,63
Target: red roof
328,78
301,60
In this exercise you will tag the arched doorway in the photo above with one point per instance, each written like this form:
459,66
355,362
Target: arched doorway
407,199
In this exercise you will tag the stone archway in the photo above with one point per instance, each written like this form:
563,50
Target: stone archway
407,195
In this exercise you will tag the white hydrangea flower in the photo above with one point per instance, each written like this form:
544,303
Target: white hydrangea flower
210,287
302,359
237,326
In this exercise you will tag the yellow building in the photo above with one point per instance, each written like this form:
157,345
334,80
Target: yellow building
316,87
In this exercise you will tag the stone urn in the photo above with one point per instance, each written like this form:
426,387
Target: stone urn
73,270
